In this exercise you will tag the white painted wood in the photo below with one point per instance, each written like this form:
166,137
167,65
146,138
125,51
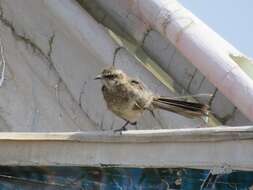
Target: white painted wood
222,133
193,148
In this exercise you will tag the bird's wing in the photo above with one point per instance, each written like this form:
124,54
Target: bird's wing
138,106
137,84
141,89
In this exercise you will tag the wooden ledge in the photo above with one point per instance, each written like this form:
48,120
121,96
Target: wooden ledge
162,135
191,148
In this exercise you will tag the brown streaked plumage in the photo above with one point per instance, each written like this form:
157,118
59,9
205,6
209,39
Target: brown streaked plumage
128,98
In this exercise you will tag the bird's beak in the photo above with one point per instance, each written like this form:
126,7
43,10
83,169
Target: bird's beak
98,77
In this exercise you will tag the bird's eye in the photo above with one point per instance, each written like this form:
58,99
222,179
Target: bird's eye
112,76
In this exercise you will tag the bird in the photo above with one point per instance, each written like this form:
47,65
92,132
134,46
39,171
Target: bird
128,98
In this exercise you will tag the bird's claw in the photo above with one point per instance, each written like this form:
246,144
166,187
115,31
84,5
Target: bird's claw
120,130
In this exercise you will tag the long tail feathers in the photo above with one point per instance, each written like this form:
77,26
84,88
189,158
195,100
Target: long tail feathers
185,108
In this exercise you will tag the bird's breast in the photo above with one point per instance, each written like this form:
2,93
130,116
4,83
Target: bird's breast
121,101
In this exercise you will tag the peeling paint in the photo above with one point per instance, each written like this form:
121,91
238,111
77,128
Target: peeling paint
179,34
244,62
145,36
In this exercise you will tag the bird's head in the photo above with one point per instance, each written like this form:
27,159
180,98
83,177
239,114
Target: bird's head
111,76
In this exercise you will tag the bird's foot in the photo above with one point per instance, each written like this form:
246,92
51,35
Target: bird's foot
120,130
134,123
123,128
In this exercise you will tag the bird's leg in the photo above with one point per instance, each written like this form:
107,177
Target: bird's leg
152,113
134,123
123,128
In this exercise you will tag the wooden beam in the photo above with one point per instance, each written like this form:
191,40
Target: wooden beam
193,148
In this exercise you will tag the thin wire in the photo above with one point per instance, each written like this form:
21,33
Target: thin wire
115,54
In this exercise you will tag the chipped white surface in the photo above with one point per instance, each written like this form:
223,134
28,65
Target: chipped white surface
205,148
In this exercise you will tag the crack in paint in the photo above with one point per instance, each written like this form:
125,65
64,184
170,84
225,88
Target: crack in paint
166,17
212,98
171,58
47,56
225,119
145,35
116,51
191,79
201,82
82,106
180,33
81,93
49,53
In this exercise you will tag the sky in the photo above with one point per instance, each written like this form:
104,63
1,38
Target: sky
232,19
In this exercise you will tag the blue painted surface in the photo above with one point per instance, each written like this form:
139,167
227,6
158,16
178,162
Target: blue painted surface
49,178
